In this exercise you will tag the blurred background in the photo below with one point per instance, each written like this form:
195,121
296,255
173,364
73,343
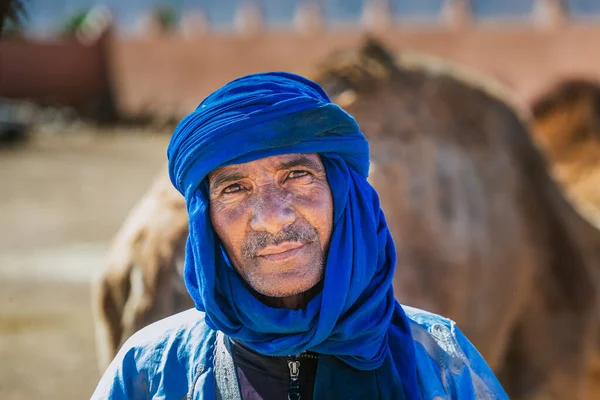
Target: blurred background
90,91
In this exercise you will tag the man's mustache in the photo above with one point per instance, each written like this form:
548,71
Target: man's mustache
259,240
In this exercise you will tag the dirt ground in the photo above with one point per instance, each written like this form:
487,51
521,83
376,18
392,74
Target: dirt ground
62,198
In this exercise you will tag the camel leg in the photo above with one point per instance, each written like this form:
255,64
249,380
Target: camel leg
110,291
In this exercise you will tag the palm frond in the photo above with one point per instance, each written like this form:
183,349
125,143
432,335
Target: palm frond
12,11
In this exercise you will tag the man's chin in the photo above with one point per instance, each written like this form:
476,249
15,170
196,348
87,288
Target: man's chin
284,285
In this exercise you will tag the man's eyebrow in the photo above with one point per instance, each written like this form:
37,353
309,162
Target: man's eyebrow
224,178
301,162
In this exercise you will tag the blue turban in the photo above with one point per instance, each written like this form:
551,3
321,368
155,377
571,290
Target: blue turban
355,317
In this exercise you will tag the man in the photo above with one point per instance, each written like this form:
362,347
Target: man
290,263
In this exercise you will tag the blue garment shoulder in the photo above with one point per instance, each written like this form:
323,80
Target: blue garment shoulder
448,365
169,359
173,359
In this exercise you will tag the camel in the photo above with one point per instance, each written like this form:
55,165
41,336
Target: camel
567,127
143,280
474,210
483,234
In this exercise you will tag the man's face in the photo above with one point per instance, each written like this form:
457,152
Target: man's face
274,217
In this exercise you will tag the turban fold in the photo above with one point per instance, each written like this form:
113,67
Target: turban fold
355,318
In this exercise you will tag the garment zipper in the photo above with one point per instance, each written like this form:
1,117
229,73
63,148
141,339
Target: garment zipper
294,386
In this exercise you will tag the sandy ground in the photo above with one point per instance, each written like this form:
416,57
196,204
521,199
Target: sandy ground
62,198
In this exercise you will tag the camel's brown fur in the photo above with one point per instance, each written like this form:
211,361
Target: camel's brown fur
483,234
147,252
567,127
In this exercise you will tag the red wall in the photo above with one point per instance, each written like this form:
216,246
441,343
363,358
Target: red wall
171,74
67,73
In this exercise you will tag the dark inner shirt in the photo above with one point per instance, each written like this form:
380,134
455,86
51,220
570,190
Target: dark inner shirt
267,378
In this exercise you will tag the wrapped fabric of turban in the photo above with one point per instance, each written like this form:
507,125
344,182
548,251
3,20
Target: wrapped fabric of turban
355,318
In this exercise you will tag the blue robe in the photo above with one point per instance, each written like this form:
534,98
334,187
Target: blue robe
175,359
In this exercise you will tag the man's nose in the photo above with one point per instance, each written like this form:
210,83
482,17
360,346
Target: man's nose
273,212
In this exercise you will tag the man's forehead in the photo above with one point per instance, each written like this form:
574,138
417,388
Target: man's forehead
282,161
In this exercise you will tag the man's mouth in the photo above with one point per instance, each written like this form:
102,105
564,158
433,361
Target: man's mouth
281,251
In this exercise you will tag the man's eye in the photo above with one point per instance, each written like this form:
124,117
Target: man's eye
236,187
297,174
